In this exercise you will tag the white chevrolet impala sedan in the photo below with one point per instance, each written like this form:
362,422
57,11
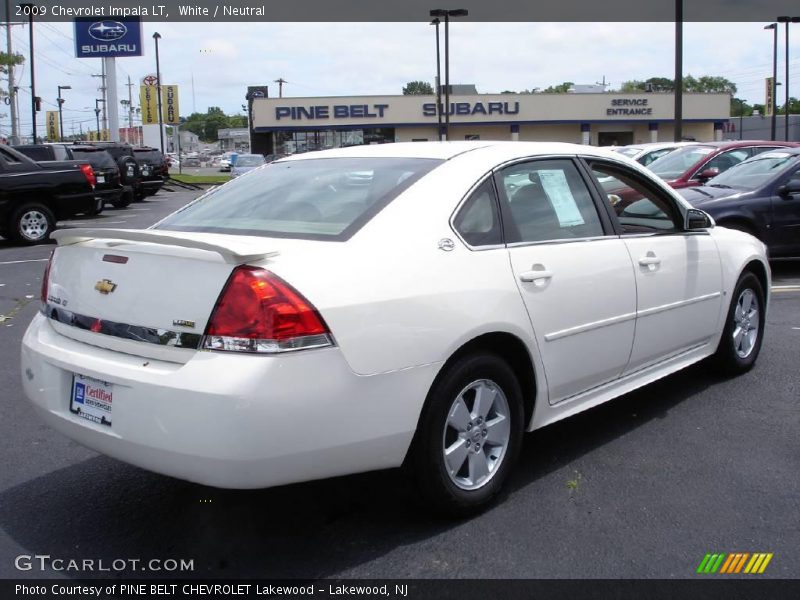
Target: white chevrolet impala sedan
404,304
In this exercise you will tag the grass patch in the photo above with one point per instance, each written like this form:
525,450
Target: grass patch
214,179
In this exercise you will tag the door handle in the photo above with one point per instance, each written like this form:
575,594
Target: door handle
535,275
650,260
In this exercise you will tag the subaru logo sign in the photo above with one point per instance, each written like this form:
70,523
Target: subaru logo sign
107,31
108,38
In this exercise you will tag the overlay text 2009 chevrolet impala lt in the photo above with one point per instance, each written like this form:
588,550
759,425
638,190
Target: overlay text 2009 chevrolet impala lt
404,304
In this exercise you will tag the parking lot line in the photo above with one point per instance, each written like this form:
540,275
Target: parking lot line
17,262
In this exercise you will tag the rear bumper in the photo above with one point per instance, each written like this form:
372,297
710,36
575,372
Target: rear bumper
75,204
230,420
152,185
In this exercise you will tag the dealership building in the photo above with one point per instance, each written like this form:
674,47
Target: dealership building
603,119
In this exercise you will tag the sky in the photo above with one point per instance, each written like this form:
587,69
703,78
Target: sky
344,59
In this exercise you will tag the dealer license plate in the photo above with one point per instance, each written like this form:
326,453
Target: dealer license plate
146,172
91,399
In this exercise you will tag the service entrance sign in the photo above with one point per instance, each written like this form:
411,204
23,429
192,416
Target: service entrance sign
108,38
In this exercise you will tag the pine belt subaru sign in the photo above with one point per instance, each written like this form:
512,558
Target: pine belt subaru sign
108,38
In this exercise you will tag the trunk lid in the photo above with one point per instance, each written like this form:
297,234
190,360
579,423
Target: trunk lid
142,292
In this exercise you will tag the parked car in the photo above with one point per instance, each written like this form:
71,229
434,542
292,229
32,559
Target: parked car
33,195
302,327
108,187
760,196
130,175
644,154
246,163
153,168
192,161
695,165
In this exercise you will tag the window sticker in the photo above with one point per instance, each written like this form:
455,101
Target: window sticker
554,182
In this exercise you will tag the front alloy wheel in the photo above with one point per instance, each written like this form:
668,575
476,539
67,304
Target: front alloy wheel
746,322
744,327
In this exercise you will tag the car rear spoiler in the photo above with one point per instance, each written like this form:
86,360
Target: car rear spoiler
65,237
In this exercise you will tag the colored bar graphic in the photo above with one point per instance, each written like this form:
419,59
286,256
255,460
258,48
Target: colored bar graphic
727,567
740,564
765,563
733,563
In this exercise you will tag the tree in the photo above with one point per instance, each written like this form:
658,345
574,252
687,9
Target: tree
418,88
207,125
9,60
558,89
705,84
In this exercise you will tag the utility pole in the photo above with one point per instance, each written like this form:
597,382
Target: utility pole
130,103
12,91
603,83
280,83
102,90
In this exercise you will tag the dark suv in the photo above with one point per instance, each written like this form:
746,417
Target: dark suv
153,167
108,188
128,170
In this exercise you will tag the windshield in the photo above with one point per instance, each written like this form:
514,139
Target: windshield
250,160
317,199
676,163
628,151
754,173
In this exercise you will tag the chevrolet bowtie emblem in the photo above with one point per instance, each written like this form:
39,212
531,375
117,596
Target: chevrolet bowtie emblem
105,286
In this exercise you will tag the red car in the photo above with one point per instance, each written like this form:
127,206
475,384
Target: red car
694,165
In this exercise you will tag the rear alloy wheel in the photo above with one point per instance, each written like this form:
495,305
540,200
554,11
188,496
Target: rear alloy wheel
744,327
32,223
469,435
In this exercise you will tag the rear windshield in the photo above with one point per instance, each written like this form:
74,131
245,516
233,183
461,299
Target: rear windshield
149,155
317,199
97,158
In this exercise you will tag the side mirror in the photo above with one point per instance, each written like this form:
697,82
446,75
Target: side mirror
789,189
707,174
696,220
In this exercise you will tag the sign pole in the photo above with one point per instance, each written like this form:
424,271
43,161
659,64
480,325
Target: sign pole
112,105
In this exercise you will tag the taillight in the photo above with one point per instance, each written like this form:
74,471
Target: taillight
46,279
259,312
88,172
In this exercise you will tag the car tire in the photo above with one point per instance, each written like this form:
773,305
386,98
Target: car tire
743,334
98,207
462,452
31,223
123,201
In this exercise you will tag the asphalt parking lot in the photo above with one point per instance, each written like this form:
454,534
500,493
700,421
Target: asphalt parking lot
642,487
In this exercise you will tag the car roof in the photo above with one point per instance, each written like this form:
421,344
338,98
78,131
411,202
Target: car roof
449,150
744,143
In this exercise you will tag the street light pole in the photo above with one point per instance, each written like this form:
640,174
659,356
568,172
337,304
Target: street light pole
447,13
60,115
156,37
438,83
773,108
787,20
678,135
